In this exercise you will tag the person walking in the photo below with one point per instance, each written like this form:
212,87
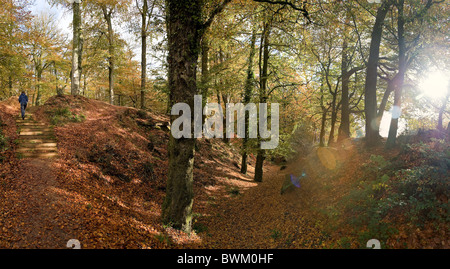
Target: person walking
23,100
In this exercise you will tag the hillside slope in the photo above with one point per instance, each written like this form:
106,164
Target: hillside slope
108,184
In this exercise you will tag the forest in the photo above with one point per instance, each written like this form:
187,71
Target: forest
225,124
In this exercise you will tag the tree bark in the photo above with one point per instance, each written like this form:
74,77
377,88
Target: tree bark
247,95
184,32
10,85
205,72
322,128
183,22
107,15
143,51
387,93
76,50
393,128
370,87
442,110
262,97
344,127
37,101
334,112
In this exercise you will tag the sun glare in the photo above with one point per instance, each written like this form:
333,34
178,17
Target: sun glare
435,85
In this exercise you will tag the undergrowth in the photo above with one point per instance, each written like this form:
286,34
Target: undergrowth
63,115
412,187
4,143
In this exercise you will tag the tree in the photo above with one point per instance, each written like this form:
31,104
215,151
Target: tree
77,49
402,19
14,22
107,15
77,42
326,51
248,90
370,87
263,76
45,44
185,29
107,10
402,65
440,126
146,12
347,59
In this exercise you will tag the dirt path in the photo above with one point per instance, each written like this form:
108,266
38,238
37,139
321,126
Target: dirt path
34,213
36,139
261,217
44,203
35,207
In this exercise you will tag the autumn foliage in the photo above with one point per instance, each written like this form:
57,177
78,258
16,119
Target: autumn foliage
107,187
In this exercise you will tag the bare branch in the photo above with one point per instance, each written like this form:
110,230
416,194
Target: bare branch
216,11
292,5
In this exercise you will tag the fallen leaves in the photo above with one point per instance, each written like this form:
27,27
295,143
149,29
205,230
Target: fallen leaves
83,194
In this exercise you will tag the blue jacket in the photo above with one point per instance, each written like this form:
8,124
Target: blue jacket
23,99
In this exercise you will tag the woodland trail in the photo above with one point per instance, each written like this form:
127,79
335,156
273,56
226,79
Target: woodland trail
263,218
34,212
34,208
36,139
45,205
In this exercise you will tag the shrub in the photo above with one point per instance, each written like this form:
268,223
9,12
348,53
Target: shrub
199,227
3,146
275,233
234,191
4,143
417,191
163,238
61,116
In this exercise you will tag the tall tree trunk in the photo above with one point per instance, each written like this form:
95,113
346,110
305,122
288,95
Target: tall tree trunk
39,71
183,34
370,87
442,110
143,52
84,85
205,73
247,95
324,117
220,93
344,127
387,93
226,99
322,128
262,96
333,126
334,112
57,89
393,128
107,15
10,85
76,50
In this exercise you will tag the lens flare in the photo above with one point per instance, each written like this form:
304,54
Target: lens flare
435,85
